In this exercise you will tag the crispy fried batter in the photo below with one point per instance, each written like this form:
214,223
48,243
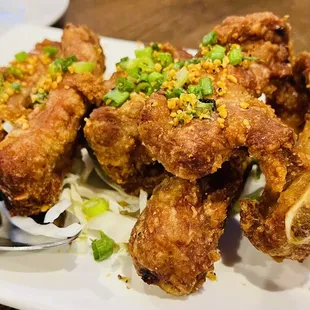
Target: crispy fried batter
41,153
262,35
292,97
42,149
198,148
174,243
85,45
19,104
113,135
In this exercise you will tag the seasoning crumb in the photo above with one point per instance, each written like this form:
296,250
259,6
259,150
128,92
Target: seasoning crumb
123,278
244,105
246,123
211,276
108,275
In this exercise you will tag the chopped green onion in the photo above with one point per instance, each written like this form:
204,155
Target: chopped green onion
195,89
103,247
155,47
21,56
144,87
217,52
164,58
145,64
115,97
123,63
206,86
174,93
145,52
251,58
124,84
144,77
95,206
133,72
154,76
178,65
50,50
15,72
61,64
235,56
83,66
16,86
40,97
182,77
165,75
209,39
203,107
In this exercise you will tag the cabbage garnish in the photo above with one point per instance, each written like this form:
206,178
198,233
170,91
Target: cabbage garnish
116,226
7,126
28,225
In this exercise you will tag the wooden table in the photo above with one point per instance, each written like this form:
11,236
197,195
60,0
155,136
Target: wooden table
182,22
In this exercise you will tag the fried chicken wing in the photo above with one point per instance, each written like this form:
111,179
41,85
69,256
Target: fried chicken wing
278,224
262,35
174,243
35,158
18,80
113,135
200,147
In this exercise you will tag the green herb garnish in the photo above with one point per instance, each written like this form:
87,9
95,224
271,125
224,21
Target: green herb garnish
103,247
50,50
209,39
115,97
21,56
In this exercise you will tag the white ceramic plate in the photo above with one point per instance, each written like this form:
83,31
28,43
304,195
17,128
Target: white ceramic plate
37,12
247,279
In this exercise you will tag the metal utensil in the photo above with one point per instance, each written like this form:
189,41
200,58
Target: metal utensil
10,234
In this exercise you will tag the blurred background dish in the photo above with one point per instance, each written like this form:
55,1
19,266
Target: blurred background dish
38,12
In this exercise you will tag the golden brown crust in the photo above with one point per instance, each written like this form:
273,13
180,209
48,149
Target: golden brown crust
199,148
174,243
33,161
85,45
35,157
263,35
113,135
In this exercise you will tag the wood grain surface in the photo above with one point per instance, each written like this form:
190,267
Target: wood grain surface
182,22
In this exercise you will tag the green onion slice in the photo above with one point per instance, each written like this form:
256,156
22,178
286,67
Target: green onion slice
95,206
16,86
182,77
115,97
154,76
235,56
164,58
145,52
15,72
125,85
209,39
21,56
174,93
50,50
206,86
103,247
195,89
83,66
217,52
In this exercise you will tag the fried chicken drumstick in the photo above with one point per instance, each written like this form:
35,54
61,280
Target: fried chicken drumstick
174,242
35,158
18,80
278,224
